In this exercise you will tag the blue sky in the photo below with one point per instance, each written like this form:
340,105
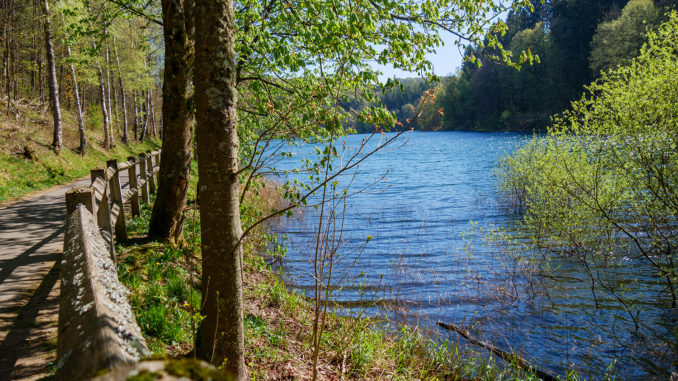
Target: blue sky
446,61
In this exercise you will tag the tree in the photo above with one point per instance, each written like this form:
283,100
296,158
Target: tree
78,108
53,84
618,41
167,218
286,71
221,333
122,92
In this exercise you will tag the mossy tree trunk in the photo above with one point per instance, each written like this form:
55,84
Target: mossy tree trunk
220,336
175,162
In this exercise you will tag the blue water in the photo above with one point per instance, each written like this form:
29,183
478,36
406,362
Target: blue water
427,202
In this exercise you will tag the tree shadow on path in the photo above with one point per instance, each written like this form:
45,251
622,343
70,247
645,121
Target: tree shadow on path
28,337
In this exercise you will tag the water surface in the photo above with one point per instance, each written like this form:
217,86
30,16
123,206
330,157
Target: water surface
432,196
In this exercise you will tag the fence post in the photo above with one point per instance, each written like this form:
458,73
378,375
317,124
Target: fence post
134,200
116,198
144,177
103,213
76,196
151,173
103,210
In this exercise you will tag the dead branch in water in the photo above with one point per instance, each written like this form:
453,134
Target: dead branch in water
509,357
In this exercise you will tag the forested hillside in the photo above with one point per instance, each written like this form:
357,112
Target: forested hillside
90,59
79,84
574,40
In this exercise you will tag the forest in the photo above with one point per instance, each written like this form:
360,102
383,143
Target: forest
573,42
84,58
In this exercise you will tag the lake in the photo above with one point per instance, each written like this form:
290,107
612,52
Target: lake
426,204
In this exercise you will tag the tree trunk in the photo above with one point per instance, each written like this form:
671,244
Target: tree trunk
175,162
220,335
81,125
136,114
151,114
104,111
35,47
102,91
53,86
108,89
144,129
122,91
7,55
15,50
115,113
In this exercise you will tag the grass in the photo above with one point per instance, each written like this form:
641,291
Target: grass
20,175
162,296
165,288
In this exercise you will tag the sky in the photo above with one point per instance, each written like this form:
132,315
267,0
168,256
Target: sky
446,61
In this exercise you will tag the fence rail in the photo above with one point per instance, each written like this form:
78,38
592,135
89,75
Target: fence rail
97,329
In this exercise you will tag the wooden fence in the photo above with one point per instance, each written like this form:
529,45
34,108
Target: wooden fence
97,329
109,196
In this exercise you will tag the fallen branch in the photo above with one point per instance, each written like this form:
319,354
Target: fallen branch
509,357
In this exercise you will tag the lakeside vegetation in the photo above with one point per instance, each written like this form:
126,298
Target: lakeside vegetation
165,284
598,192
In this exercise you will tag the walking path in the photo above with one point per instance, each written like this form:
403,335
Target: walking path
31,239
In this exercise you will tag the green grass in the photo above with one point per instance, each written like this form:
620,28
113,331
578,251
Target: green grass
20,176
161,294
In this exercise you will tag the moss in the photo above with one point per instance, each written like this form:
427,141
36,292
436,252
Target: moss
193,369
145,375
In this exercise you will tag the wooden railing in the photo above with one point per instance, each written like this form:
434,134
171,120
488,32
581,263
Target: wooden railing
97,329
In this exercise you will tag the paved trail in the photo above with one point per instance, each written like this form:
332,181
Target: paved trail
31,240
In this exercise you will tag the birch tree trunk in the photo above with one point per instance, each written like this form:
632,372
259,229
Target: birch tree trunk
7,55
108,89
81,125
53,85
147,112
151,114
102,91
122,91
175,163
104,111
144,117
115,113
220,335
136,114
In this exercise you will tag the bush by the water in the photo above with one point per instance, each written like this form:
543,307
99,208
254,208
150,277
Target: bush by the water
601,189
